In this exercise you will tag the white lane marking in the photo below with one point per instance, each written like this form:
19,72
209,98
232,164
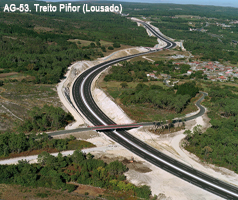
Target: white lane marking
133,144
158,35
82,85
145,151
173,166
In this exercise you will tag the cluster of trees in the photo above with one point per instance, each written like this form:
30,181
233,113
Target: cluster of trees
46,118
173,69
136,71
219,143
188,88
184,68
55,172
203,43
131,71
110,48
226,100
172,24
114,28
17,143
157,96
168,10
46,54
115,45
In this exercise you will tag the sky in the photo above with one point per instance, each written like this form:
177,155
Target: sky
230,3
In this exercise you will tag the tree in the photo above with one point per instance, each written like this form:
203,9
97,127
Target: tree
124,85
98,43
207,150
170,120
78,157
70,187
92,44
184,68
89,156
180,118
22,143
197,129
13,142
116,167
188,88
143,191
110,48
1,83
103,48
188,134
44,158
45,118
116,45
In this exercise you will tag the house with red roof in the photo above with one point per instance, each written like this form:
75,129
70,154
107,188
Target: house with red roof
222,78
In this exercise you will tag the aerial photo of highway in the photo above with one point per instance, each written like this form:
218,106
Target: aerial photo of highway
118,100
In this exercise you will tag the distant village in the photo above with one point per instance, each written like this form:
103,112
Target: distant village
214,70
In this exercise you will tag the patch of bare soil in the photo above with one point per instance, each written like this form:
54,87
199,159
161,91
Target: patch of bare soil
43,29
136,165
15,192
92,191
132,164
13,38
116,49
29,153
3,75
18,97
84,135
161,131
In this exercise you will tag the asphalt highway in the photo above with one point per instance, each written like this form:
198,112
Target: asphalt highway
129,126
84,101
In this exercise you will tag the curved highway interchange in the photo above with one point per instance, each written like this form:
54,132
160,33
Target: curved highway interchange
84,101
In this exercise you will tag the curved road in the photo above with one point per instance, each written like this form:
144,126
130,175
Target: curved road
129,126
87,106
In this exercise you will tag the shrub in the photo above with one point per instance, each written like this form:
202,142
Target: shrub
116,45
70,187
42,195
103,49
110,48
92,45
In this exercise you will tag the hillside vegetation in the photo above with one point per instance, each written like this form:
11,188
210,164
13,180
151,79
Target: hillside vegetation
38,43
219,143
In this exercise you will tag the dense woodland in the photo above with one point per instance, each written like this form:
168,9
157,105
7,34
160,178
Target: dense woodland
37,43
17,143
56,172
188,88
155,95
136,71
129,71
45,56
162,9
159,97
219,143
213,45
43,119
